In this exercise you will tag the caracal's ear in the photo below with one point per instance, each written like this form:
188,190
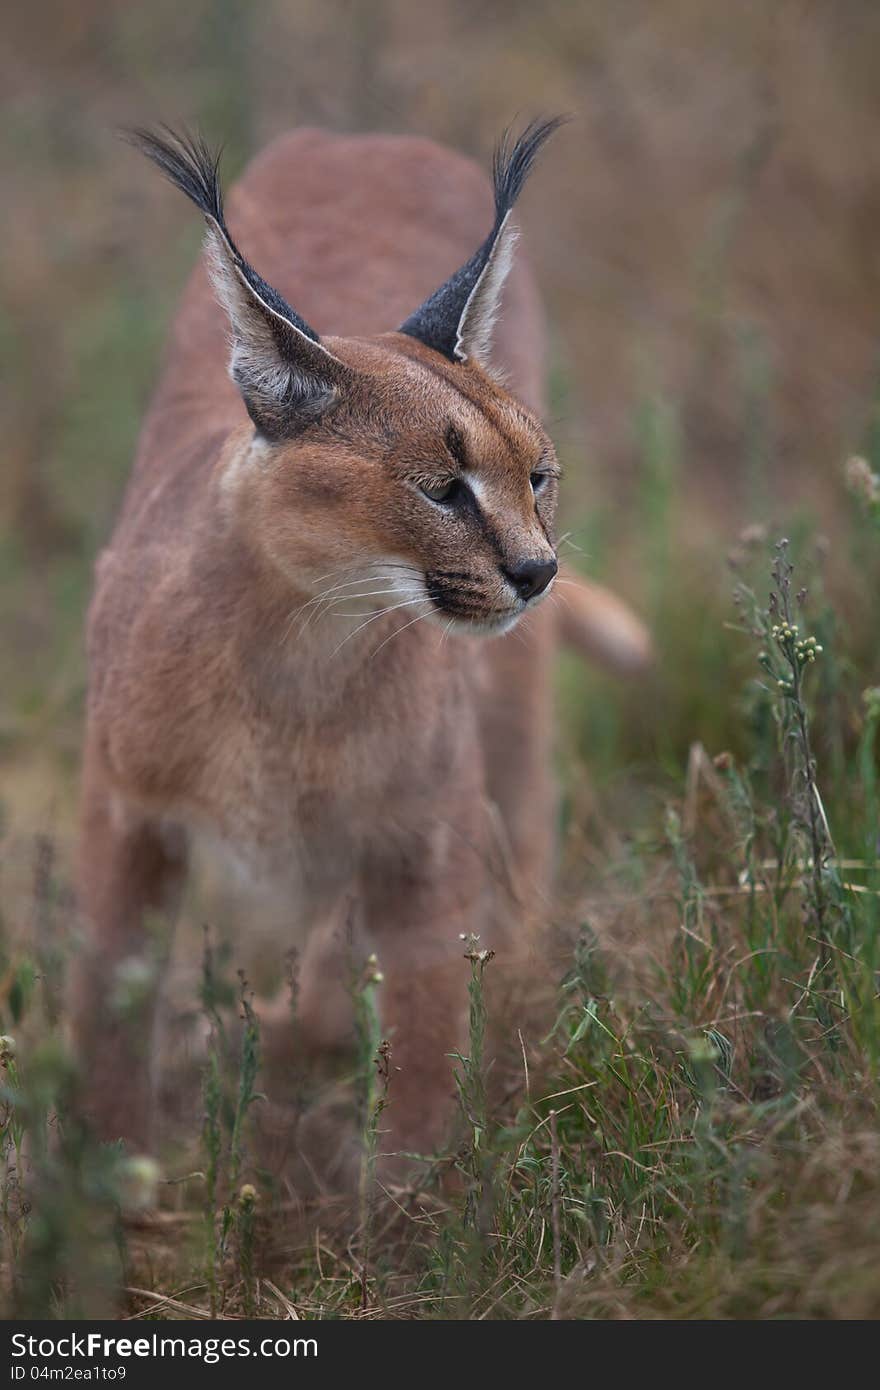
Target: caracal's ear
457,320
285,374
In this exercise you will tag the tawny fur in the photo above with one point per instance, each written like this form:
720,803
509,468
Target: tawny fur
379,768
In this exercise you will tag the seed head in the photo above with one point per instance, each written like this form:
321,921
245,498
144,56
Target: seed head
138,1182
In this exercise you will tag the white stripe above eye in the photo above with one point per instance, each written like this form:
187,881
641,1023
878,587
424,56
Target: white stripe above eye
477,487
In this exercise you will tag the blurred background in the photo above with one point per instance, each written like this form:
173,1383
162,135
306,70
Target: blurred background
706,233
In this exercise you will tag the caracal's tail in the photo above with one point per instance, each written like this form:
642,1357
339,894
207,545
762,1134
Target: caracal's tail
601,627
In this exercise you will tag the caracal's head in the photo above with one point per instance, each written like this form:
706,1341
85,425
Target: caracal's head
393,471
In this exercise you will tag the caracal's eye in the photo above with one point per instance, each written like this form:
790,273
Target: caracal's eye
446,491
538,481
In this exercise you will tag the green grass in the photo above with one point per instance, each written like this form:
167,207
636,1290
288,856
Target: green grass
686,1125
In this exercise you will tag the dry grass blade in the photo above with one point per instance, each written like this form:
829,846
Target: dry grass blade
289,1311
158,1300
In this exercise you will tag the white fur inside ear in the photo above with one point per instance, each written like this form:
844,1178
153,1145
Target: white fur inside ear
255,365
477,322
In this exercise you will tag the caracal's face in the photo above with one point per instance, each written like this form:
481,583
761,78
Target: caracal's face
431,489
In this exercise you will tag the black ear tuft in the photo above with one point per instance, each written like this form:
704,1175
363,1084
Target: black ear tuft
457,318
285,374
511,165
188,162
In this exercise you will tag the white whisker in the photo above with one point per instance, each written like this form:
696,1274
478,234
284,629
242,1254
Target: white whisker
393,609
382,611
334,594
397,631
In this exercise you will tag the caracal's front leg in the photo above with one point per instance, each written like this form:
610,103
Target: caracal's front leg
417,911
131,873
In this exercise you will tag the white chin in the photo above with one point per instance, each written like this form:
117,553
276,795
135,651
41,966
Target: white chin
467,627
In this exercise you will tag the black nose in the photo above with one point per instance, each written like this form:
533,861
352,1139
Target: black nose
531,577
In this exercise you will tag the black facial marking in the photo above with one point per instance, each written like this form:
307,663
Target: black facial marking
462,503
485,525
452,576
455,594
455,445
